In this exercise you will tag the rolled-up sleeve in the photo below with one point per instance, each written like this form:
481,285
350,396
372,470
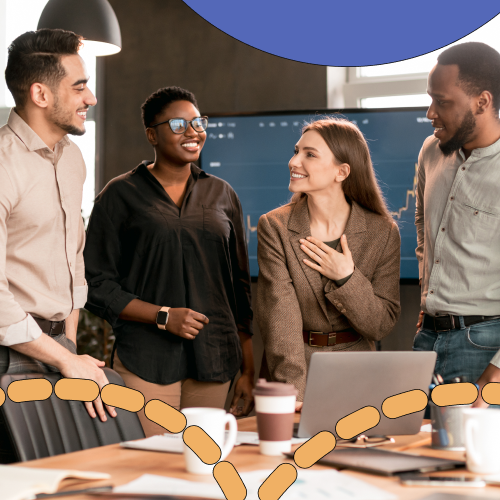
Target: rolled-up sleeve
15,326
106,298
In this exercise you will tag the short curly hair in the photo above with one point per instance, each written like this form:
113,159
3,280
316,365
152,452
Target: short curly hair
35,57
479,68
162,99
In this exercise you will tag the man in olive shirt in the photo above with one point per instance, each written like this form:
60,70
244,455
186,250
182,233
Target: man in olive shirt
42,277
458,216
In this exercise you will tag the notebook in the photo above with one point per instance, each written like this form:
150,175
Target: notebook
21,483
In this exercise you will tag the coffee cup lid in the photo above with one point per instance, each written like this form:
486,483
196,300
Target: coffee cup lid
264,388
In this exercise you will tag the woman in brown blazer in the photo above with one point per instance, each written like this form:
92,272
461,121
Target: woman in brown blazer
329,260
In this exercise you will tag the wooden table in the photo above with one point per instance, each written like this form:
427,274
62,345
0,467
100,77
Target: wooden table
125,465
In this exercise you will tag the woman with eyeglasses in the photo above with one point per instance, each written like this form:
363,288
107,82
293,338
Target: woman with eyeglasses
167,266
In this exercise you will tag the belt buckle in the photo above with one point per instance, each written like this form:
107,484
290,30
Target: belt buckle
310,339
452,323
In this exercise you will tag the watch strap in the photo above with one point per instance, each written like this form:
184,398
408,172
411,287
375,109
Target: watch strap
162,326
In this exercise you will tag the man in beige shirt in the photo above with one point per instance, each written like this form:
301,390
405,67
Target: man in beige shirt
458,216
42,283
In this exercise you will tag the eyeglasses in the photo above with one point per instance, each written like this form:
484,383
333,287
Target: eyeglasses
179,125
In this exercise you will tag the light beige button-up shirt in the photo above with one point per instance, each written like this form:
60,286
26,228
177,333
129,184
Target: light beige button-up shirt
458,231
41,231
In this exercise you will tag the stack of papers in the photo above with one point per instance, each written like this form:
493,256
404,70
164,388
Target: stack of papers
172,443
313,485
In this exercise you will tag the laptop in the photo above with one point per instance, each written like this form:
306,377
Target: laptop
340,383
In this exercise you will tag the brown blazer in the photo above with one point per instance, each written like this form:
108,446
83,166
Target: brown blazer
291,296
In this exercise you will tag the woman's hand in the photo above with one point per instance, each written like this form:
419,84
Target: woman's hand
243,390
298,406
185,323
330,263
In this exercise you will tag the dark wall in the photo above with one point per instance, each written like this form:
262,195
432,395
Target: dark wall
166,43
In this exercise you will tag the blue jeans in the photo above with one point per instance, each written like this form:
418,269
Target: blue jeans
465,351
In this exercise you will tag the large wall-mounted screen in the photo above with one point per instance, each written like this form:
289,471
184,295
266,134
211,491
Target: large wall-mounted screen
251,152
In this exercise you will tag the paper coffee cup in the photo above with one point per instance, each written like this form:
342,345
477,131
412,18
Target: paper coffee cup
275,409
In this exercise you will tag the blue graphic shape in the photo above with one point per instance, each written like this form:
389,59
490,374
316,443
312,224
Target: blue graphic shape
346,33
252,152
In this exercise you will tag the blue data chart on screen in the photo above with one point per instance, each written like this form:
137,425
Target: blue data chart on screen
252,152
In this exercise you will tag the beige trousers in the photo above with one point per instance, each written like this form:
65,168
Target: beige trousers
186,393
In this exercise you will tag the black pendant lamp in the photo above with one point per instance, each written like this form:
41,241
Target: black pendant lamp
94,20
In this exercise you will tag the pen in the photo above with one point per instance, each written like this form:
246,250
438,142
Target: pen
97,489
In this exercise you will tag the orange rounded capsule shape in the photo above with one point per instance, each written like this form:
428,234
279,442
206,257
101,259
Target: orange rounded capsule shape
315,448
122,397
463,393
76,389
278,482
165,415
33,389
404,403
357,422
491,393
229,481
2,397
202,444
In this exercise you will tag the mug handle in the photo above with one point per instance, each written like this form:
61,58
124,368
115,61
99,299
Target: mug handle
470,427
231,438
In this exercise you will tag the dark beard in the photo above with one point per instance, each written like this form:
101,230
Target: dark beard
62,119
462,135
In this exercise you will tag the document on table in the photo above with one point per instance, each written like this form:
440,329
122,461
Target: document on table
172,443
313,485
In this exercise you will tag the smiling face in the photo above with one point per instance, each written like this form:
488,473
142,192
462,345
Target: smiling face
313,167
451,110
178,149
71,100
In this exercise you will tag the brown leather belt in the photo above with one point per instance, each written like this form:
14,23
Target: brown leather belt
51,328
320,339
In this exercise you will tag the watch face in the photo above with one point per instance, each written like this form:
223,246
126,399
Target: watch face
161,317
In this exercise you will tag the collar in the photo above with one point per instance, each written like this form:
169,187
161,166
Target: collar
195,171
27,135
299,221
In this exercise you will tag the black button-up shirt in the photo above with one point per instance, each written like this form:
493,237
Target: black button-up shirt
140,244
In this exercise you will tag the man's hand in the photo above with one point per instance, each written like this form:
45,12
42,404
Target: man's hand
298,406
243,390
185,323
420,320
87,367
491,374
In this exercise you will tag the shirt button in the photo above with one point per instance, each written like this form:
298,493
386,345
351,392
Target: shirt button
340,305
463,168
452,198
476,212
432,291
343,311
437,261
442,229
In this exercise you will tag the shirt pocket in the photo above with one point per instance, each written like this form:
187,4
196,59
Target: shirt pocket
481,223
216,225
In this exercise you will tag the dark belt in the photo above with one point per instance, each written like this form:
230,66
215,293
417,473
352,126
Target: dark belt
51,328
320,339
448,322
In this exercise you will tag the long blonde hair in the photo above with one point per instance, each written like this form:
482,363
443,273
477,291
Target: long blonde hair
348,145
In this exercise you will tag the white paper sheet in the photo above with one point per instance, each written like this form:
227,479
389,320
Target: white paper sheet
310,485
172,443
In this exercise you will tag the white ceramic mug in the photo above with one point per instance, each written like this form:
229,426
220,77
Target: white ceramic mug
482,440
213,421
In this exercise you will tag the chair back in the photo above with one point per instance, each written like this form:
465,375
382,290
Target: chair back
41,429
